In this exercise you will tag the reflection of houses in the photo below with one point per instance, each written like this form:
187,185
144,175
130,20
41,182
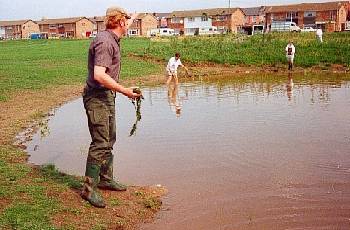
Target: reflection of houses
143,24
18,29
80,27
193,21
329,16
253,16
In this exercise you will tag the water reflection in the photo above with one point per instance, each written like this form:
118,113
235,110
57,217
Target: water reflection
242,155
173,99
290,86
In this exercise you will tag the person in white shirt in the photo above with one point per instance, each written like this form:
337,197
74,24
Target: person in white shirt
290,52
173,64
319,35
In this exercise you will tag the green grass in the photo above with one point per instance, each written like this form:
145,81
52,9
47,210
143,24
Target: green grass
30,207
36,64
256,50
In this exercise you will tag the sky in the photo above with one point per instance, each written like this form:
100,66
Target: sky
37,9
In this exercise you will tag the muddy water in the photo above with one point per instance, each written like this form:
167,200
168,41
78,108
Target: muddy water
264,152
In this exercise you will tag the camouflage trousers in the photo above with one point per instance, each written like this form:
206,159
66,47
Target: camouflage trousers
100,110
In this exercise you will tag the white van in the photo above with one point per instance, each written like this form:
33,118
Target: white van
162,32
281,26
208,31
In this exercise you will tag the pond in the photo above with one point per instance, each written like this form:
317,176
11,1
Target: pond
243,152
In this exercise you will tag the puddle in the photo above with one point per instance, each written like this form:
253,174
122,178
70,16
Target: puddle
263,152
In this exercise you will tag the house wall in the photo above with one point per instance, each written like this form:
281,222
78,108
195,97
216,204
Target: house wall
12,32
28,28
84,28
329,20
222,22
100,25
177,26
191,24
2,32
148,22
237,21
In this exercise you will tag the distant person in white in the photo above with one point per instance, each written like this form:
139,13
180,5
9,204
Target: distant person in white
290,52
171,68
319,35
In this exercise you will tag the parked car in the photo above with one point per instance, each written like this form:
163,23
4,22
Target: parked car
308,29
281,26
161,32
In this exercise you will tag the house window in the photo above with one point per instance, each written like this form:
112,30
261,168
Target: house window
332,15
292,15
60,25
221,18
175,20
191,19
52,26
24,27
309,14
204,18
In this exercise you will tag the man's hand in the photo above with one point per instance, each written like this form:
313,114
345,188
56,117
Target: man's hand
129,92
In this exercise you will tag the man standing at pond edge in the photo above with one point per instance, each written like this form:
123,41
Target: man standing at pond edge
104,64
290,52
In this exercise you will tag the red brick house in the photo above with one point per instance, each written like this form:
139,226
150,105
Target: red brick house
225,19
329,16
162,19
79,27
254,15
143,24
20,29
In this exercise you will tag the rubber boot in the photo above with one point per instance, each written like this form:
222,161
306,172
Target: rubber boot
106,177
90,192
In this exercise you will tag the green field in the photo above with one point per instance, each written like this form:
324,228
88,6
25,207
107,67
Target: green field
39,63
35,64
258,50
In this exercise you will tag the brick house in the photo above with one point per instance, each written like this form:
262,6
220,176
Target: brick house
224,19
143,24
162,19
330,16
99,24
254,20
79,27
254,15
20,29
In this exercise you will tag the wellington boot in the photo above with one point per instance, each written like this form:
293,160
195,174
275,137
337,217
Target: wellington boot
106,175
90,192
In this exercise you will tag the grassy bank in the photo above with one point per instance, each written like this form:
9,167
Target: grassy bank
257,50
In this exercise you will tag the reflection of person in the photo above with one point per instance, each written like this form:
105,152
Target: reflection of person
172,99
99,101
290,52
319,34
290,86
173,64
